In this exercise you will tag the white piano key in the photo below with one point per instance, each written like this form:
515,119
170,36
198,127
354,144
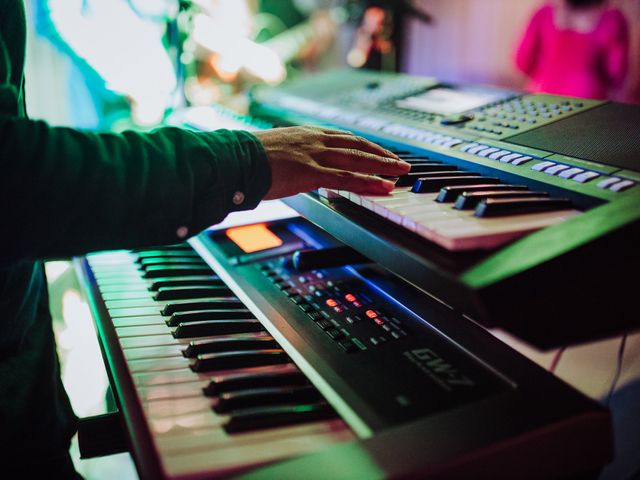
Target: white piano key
158,364
248,450
147,379
175,407
171,391
134,312
162,351
144,331
149,341
140,321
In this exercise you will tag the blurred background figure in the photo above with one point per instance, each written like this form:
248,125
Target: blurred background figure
233,44
378,42
575,47
121,73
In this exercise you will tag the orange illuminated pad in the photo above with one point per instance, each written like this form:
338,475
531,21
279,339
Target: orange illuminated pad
253,238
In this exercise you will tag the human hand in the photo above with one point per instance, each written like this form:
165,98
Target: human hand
306,158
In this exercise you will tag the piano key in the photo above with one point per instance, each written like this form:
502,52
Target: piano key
171,391
430,185
148,341
205,304
161,351
268,417
450,194
169,377
214,450
226,344
133,312
158,364
139,321
212,314
119,288
189,281
130,294
258,397
469,200
165,253
135,303
268,378
215,327
239,359
190,292
502,207
408,179
169,261
176,271
141,331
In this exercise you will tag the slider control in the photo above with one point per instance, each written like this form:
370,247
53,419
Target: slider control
312,259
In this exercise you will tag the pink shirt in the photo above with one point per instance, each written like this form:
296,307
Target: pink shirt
568,62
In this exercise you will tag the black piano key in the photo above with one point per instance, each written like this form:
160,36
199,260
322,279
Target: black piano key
419,171
147,262
178,247
208,362
277,416
502,207
262,379
185,293
228,344
257,397
166,253
451,193
432,185
188,281
210,314
412,157
470,200
157,271
431,167
209,304
216,327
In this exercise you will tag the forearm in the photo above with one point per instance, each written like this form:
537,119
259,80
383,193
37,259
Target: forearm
68,192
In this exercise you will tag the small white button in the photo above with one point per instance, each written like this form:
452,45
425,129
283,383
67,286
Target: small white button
238,198
182,232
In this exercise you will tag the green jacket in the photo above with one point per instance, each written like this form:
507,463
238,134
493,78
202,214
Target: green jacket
65,192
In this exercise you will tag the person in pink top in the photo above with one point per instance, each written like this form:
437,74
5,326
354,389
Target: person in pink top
578,48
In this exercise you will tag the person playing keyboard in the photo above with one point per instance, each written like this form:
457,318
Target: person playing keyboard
67,192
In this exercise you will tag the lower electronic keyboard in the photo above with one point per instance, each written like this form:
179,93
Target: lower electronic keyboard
221,371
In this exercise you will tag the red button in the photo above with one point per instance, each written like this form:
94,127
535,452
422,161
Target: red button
331,302
371,314
350,297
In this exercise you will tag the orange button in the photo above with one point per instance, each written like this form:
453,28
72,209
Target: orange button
331,302
371,314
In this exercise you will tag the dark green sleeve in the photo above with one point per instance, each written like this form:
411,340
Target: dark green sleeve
65,192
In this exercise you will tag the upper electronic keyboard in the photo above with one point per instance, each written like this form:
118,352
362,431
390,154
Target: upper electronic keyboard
505,153
264,359
510,195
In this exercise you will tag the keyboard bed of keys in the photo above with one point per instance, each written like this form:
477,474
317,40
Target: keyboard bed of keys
460,209
205,369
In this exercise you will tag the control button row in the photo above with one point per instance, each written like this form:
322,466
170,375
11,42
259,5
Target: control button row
615,184
425,136
495,153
